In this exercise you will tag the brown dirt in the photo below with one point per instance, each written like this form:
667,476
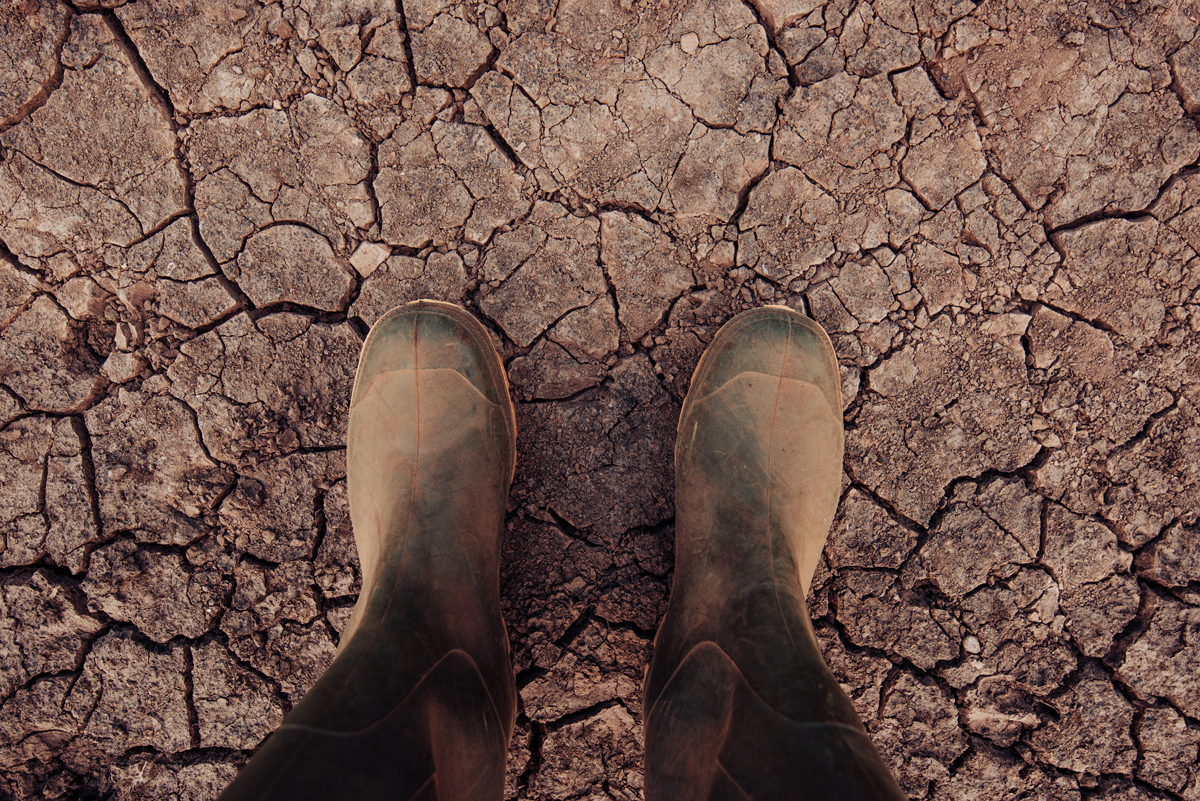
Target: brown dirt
993,208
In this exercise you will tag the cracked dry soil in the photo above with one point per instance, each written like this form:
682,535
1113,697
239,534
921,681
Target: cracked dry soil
993,207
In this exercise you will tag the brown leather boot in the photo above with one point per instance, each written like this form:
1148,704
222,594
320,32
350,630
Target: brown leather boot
420,700
740,703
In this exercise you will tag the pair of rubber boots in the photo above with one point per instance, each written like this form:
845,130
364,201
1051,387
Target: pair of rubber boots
420,700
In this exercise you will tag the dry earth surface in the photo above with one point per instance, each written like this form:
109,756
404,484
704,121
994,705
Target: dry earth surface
994,208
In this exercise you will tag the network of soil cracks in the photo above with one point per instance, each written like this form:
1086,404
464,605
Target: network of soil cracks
993,207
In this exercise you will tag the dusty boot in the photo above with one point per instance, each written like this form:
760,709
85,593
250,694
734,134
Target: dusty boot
420,700
740,703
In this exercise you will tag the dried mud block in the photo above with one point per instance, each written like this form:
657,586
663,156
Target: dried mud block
380,80
720,74
836,130
875,41
999,709
607,131
717,166
876,614
229,212
34,725
449,52
237,57
830,312
599,665
966,549
790,223
548,372
185,286
1146,138
338,618
547,582
601,753
779,14
513,114
144,778
633,597
1178,208
421,200
988,772
962,385
367,257
295,656
1011,505
1099,611
1185,62
403,279
1168,748
152,474
272,511
41,630
602,462
1159,662
589,333
31,37
518,757
501,195
268,386
1123,273
1093,394
135,164
47,508
946,159
45,360
510,249
563,273
865,535
938,276
197,57
1092,731
1172,560
235,708
917,732
474,182
864,291
826,59
1082,116
136,696
15,291
308,164
153,590
1123,789
1097,595
267,594
798,42
1156,480
647,270
1019,640
291,263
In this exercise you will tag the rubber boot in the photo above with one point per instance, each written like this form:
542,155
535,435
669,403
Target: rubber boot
420,700
740,703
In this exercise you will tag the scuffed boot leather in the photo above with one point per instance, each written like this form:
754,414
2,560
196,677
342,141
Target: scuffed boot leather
420,700
740,703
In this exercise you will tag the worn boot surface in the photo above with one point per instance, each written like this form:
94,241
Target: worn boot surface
420,700
740,703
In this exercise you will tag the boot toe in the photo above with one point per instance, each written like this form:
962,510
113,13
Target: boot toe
430,335
774,341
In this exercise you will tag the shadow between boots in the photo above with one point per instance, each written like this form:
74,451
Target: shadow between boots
420,700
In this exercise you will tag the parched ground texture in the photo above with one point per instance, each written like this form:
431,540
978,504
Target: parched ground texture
993,208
